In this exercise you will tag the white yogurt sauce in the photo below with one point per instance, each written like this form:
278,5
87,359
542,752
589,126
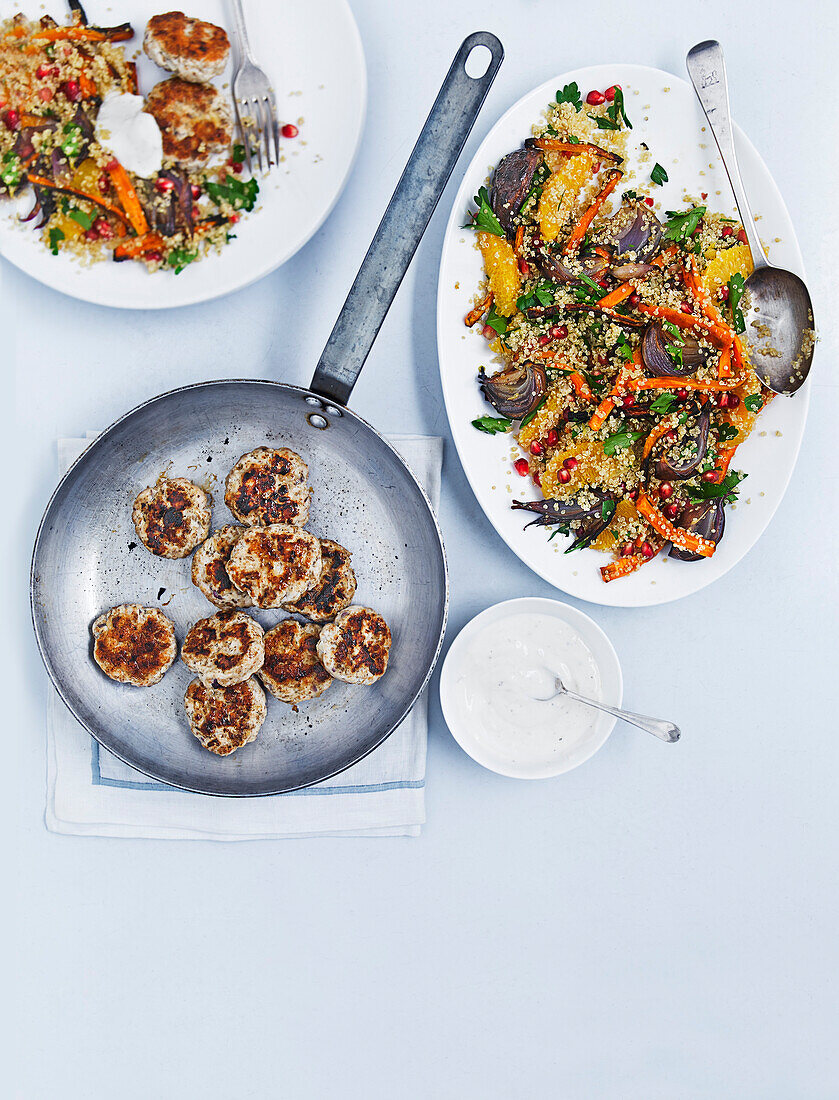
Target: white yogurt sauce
124,129
504,681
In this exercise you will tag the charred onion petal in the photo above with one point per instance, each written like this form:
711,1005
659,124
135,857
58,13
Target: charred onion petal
83,122
627,273
516,391
35,209
589,531
59,165
657,358
183,192
591,307
511,183
634,232
563,511
705,518
665,470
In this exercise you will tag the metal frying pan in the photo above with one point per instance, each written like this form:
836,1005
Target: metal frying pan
365,497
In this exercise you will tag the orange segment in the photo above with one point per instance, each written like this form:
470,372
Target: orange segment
502,271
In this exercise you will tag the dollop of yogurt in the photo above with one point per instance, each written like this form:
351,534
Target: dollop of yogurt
132,135
505,691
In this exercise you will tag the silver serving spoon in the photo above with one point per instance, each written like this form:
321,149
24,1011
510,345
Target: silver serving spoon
776,306
665,730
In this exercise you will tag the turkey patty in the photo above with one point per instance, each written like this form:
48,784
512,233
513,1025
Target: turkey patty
355,648
224,649
335,589
171,517
133,644
225,718
190,48
275,565
292,671
209,568
269,486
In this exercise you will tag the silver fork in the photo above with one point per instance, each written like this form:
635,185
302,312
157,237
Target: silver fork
253,97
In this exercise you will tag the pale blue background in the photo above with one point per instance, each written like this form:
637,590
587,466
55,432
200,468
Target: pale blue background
661,922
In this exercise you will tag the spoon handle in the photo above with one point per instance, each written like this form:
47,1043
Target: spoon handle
706,67
665,730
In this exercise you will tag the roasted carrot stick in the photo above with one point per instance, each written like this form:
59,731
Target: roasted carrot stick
42,181
684,540
573,148
128,197
671,382
608,403
581,228
474,315
616,296
715,333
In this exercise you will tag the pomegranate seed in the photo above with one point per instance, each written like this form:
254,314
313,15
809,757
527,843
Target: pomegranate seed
536,447
488,332
544,340
709,475
733,401
91,234
726,231
537,477
646,550
552,438
195,191
72,90
672,510
522,467
724,293
45,94
163,186
564,476
722,401
610,92
633,494
112,165
669,436
649,201
628,400
11,119
104,182
626,549
103,229
236,165
290,130
634,298
524,267
741,236
570,463
559,332
233,219
595,168
665,490
154,257
687,307
681,393
595,98
604,284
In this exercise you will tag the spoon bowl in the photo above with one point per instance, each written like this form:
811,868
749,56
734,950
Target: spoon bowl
777,310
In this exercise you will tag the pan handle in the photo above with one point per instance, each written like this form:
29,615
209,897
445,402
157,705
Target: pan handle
426,174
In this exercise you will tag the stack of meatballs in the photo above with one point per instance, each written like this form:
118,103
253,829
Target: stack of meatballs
266,560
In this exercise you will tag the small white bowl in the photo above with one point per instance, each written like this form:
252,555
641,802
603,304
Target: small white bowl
578,752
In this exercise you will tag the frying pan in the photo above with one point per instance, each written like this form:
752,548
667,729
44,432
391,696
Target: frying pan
86,558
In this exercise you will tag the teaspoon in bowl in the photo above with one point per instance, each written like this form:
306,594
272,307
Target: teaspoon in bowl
776,303
665,730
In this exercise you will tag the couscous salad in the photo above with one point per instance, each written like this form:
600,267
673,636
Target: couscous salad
115,175
616,338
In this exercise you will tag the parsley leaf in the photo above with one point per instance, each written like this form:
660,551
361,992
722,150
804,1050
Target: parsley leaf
485,218
496,321
624,348
607,509
726,432
736,286
238,154
619,441
605,123
664,402
240,194
711,490
179,258
84,220
754,402
617,111
492,424
683,224
630,195
541,295
11,169
658,175
55,236
570,94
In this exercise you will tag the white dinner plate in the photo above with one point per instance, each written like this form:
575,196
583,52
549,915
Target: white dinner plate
666,115
312,53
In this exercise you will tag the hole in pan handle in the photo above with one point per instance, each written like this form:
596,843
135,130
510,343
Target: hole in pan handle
428,169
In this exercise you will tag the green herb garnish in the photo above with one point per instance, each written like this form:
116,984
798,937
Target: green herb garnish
55,235
542,295
726,432
664,402
681,225
617,111
710,490
570,94
496,321
84,220
736,286
238,154
754,402
240,194
619,441
605,123
11,169
659,175
73,139
492,424
484,218
179,258
624,348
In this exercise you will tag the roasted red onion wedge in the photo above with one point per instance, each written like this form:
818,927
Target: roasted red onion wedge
659,361
705,518
634,232
667,470
517,391
511,184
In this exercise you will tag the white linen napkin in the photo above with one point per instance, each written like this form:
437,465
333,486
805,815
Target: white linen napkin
92,793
